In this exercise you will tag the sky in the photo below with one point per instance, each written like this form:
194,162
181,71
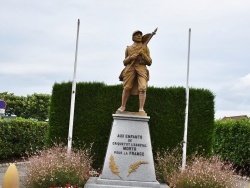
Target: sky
38,44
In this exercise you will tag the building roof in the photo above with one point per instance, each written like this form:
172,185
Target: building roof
235,117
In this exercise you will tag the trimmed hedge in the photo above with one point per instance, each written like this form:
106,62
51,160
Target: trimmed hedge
232,140
96,102
21,137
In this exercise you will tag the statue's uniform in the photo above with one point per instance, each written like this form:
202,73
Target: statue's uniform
136,76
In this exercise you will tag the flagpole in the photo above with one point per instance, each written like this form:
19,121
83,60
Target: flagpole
73,94
186,110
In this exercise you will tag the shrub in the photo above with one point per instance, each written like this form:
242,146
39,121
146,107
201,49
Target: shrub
205,173
21,137
167,163
200,172
54,167
232,140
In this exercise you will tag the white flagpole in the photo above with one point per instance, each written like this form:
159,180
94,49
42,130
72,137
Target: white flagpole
73,94
186,111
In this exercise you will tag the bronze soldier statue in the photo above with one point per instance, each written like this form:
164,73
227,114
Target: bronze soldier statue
135,75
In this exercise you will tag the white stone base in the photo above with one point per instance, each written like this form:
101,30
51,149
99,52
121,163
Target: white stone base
94,183
129,160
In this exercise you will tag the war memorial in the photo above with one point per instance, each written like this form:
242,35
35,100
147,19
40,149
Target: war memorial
129,160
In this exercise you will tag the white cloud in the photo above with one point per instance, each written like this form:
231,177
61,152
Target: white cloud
245,80
233,98
242,85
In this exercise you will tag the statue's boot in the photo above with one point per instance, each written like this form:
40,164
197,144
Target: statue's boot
125,96
142,99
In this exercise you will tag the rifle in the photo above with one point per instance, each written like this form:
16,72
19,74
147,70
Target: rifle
145,40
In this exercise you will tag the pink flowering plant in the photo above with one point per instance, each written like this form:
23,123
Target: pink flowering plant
200,172
205,173
54,167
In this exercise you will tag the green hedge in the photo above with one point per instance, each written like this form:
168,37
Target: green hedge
21,137
96,102
232,140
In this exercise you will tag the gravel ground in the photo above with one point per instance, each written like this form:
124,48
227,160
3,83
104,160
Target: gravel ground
22,166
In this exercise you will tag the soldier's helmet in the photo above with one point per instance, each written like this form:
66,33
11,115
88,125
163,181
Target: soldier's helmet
135,32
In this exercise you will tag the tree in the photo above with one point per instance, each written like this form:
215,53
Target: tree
15,104
37,106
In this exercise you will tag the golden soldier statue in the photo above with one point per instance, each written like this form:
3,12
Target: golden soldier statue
136,75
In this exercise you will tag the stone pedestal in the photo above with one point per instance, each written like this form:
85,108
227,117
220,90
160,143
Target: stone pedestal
129,160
